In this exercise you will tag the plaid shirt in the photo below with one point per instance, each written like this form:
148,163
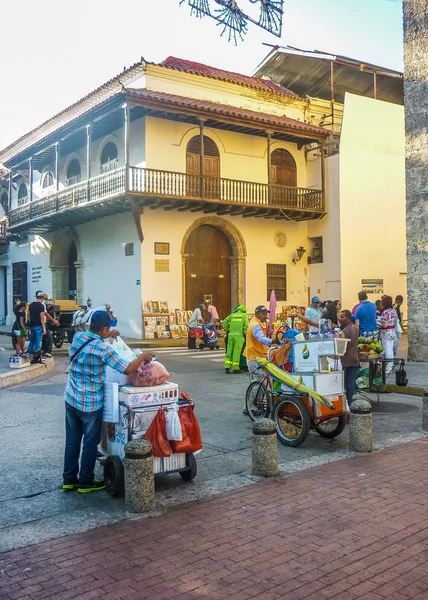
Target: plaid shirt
84,388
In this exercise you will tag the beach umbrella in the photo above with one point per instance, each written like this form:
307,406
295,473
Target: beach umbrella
272,313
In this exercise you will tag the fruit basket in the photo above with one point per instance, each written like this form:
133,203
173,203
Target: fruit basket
369,348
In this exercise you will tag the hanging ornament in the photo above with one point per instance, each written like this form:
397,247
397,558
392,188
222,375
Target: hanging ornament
235,20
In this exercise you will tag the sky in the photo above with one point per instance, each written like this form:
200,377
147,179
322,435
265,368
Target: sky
54,53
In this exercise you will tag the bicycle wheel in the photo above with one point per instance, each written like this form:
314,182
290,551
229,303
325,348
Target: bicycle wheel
330,428
292,421
258,400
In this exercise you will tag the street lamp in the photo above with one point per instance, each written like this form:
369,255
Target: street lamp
300,252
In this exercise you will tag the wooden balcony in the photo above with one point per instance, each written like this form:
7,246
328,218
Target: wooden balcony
113,192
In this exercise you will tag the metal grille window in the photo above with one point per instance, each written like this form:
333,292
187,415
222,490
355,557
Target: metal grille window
277,280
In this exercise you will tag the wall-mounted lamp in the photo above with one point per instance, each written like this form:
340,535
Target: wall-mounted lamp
316,251
300,252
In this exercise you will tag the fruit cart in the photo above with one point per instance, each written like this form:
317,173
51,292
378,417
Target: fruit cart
313,397
137,408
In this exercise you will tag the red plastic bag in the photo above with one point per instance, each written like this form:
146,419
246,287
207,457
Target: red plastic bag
192,439
150,374
156,434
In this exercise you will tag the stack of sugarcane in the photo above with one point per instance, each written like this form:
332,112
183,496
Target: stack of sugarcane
285,377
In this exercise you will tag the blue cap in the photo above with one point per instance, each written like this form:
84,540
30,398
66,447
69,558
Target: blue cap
100,319
315,299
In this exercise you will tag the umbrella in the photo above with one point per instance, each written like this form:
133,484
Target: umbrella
272,310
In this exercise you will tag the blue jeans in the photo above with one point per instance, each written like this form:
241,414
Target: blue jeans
36,338
350,376
80,424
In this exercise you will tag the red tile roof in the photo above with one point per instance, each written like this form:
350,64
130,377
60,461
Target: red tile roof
257,83
144,96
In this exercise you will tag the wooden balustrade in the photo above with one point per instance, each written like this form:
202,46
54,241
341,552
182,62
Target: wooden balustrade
169,184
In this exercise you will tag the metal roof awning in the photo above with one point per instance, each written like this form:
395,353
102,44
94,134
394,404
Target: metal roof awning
322,75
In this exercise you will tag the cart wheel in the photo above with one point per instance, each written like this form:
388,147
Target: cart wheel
57,338
212,347
258,400
114,476
292,421
201,346
330,428
193,468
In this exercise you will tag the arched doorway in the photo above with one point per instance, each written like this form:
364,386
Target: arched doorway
208,268
65,264
283,175
211,167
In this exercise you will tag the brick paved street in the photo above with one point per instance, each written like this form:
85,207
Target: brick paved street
357,528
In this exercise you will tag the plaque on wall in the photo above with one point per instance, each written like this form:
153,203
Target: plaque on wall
161,247
161,265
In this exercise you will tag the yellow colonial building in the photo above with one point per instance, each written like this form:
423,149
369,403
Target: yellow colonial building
177,182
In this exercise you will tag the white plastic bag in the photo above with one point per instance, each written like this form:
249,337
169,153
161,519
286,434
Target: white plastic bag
173,424
124,351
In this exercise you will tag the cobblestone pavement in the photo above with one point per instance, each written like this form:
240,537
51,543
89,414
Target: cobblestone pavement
356,528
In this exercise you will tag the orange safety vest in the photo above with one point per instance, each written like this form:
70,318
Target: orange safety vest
253,347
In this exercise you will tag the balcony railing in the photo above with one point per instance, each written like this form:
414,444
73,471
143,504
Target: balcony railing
168,184
3,229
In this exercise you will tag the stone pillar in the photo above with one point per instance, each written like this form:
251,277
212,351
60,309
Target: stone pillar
360,426
60,282
79,282
265,448
139,478
10,317
416,118
237,280
184,257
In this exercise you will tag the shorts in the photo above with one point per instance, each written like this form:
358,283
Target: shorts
19,333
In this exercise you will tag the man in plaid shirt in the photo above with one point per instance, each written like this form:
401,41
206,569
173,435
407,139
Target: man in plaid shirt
84,400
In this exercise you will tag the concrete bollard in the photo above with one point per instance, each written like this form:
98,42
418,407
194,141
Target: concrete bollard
360,426
425,411
139,478
265,448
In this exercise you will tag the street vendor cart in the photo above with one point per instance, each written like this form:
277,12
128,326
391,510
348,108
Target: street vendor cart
138,406
312,397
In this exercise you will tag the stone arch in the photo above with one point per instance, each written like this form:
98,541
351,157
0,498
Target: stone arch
59,264
239,252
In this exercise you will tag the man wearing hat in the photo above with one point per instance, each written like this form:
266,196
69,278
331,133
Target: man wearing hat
89,355
313,312
257,342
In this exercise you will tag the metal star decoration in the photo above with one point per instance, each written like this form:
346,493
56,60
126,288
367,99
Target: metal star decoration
234,19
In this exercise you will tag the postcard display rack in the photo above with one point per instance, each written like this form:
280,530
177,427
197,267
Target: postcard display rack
313,364
161,323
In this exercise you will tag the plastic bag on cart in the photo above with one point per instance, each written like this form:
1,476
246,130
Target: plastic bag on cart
192,440
119,346
149,374
156,434
173,424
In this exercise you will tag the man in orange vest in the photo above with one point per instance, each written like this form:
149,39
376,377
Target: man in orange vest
257,342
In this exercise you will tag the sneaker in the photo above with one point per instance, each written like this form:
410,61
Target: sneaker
95,486
68,487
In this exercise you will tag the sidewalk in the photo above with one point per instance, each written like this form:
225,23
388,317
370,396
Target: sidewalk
356,528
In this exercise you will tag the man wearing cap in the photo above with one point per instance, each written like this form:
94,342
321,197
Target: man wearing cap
89,355
257,340
313,312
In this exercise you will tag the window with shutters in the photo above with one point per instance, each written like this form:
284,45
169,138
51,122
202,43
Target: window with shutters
109,158
73,172
211,167
283,168
277,280
48,180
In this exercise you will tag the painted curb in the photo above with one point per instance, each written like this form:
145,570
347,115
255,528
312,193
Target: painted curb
26,374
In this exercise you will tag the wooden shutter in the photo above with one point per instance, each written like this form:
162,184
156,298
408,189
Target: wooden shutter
277,280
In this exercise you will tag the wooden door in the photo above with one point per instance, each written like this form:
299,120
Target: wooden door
193,170
212,177
283,176
19,281
208,269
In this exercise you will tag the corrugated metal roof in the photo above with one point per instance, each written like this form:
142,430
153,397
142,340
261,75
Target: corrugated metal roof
228,111
196,68
308,73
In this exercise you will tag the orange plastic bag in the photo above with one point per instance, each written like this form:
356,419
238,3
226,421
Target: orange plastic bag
156,434
192,439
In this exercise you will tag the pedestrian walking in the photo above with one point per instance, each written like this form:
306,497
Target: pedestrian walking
235,325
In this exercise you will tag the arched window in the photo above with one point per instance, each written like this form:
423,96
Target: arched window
73,172
109,158
211,167
283,168
48,180
22,194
